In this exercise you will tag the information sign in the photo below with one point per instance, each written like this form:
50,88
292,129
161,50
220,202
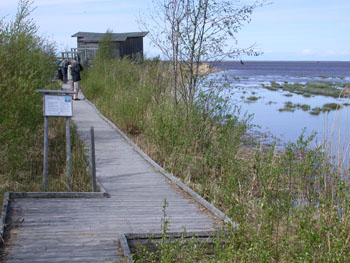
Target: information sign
60,106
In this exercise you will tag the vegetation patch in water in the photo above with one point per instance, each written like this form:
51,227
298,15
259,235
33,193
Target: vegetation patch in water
306,95
323,88
304,107
289,106
287,109
323,77
331,106
252,98
315,111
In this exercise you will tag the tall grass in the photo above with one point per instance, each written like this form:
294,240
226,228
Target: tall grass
291,205
26,64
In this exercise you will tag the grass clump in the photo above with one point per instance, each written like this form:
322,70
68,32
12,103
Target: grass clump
304,107
323,88
252,98
315,111
332,106
290,107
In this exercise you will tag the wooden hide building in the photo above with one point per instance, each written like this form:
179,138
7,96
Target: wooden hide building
126,44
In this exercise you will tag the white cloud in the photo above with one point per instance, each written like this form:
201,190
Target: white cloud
307,52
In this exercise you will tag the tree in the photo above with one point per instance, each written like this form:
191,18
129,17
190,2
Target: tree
189,32
106,47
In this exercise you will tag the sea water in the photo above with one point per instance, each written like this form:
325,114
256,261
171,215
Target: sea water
238,81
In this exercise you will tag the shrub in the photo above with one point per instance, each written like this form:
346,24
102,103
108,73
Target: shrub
27,64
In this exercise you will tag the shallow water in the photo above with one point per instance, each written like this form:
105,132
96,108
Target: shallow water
242,82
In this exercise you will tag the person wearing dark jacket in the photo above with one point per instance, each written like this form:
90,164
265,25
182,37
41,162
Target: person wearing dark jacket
64,65
76,68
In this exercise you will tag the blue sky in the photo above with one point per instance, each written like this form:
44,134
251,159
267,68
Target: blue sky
283,30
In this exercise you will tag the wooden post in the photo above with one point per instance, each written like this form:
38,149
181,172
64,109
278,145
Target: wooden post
92,159
68,153
63,111
46,151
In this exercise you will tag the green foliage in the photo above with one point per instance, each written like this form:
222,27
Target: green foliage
290,205
106,47
125,90
332,106
252,98
322,88
27,64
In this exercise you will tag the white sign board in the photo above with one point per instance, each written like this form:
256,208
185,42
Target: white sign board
60,106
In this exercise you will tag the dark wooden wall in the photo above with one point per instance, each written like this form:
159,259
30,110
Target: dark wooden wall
130,48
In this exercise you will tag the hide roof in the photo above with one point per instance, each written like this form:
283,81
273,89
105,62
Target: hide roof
97,37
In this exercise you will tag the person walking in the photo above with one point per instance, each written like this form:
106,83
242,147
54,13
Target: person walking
69,76
76,68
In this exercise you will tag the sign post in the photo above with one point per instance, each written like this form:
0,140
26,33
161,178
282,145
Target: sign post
57,106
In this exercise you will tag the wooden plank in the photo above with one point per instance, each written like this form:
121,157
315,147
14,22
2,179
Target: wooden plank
4,210
49,91
125,248
57,195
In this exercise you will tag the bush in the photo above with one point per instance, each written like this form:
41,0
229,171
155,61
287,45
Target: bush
27,64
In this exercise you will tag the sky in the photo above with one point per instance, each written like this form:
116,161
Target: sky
309,30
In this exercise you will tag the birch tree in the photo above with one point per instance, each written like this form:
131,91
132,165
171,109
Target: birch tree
189,32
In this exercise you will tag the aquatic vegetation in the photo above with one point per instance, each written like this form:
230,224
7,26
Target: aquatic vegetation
271,102
306,95
275,85
289,106
271,88
331,106
288,95
288,109
315,111
304,107
252,98
324,88
323,77
325,108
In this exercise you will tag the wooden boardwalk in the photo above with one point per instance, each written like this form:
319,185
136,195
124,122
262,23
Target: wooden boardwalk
88,229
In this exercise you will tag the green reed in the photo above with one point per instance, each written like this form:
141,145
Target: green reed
290,204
